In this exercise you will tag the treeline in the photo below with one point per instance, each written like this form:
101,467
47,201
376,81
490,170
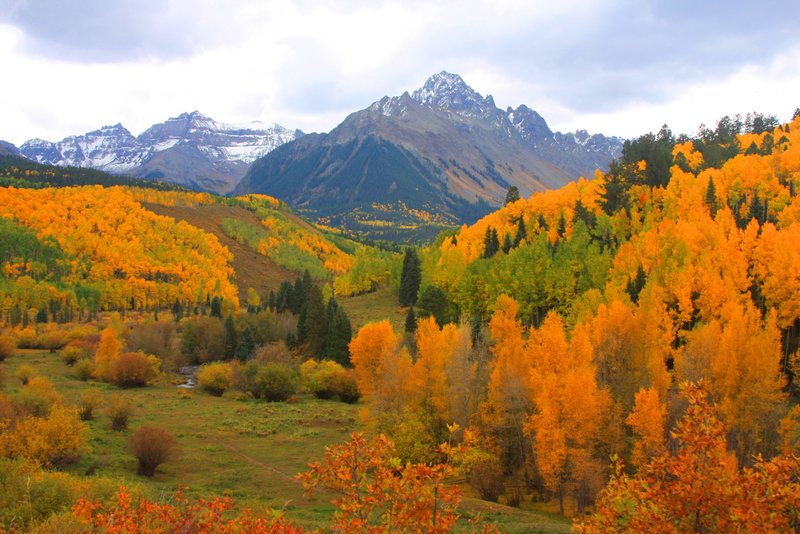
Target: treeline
21,172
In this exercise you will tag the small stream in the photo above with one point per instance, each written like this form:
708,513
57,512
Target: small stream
190,373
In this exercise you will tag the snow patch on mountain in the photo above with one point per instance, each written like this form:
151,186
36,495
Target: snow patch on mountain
115,149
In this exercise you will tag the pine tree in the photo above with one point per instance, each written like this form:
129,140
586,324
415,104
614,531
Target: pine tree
491,243
315,324
583,214
177,310
711,198
522,232
216,307
230,338
562,226
512,195
411,321
339,333
410,278
507,244
542,222
246,344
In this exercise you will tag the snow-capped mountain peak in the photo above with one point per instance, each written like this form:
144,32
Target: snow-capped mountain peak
228,148
449,91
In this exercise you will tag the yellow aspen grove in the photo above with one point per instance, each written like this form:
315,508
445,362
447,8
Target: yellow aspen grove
647,420
108,351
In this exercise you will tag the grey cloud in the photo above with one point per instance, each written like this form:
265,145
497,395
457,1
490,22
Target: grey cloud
102,31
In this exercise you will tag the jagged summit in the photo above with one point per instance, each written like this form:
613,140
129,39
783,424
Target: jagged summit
191,149
449,91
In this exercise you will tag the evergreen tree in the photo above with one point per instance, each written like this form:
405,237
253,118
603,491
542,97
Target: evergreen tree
562,226
512,195
410,278
491,243
752,149
246,345
542,222
231,340
711,198
757,210
507,244
271,300
339,333
522,232
434,301
41,316
636,284
298,296
411,321
315,324
583,214
285,297
216,307
177,310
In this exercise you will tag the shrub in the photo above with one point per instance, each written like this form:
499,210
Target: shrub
487,478
37,397
133,369
8,345
216,378
275,382
84,369
118,411
89,400
71,355
152,446
343,385
203,339
25,373
156,337
318,377
52,340
50,441
275,353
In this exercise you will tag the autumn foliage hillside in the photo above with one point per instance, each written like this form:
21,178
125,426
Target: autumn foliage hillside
583,310
76,250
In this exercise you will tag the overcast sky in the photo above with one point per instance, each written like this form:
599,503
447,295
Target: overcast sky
621,67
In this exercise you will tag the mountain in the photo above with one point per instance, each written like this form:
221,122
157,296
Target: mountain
443,153
191,150
8,149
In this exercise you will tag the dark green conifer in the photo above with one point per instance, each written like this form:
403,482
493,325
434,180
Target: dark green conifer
410,278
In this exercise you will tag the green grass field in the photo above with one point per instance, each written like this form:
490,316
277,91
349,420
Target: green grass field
247,449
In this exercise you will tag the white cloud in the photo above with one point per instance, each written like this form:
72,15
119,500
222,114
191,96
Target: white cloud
615,66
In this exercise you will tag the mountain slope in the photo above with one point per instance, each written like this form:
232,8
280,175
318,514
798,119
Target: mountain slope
191,150
444,154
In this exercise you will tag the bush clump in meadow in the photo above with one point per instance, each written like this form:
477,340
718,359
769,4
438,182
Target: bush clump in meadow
343,385
134,369
152,446
119,412
84,369
317,377
37,397
274,382
216,378
8,345
71,355
89,400
25,373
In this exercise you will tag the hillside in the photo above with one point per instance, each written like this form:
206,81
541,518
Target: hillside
414,164
130,248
